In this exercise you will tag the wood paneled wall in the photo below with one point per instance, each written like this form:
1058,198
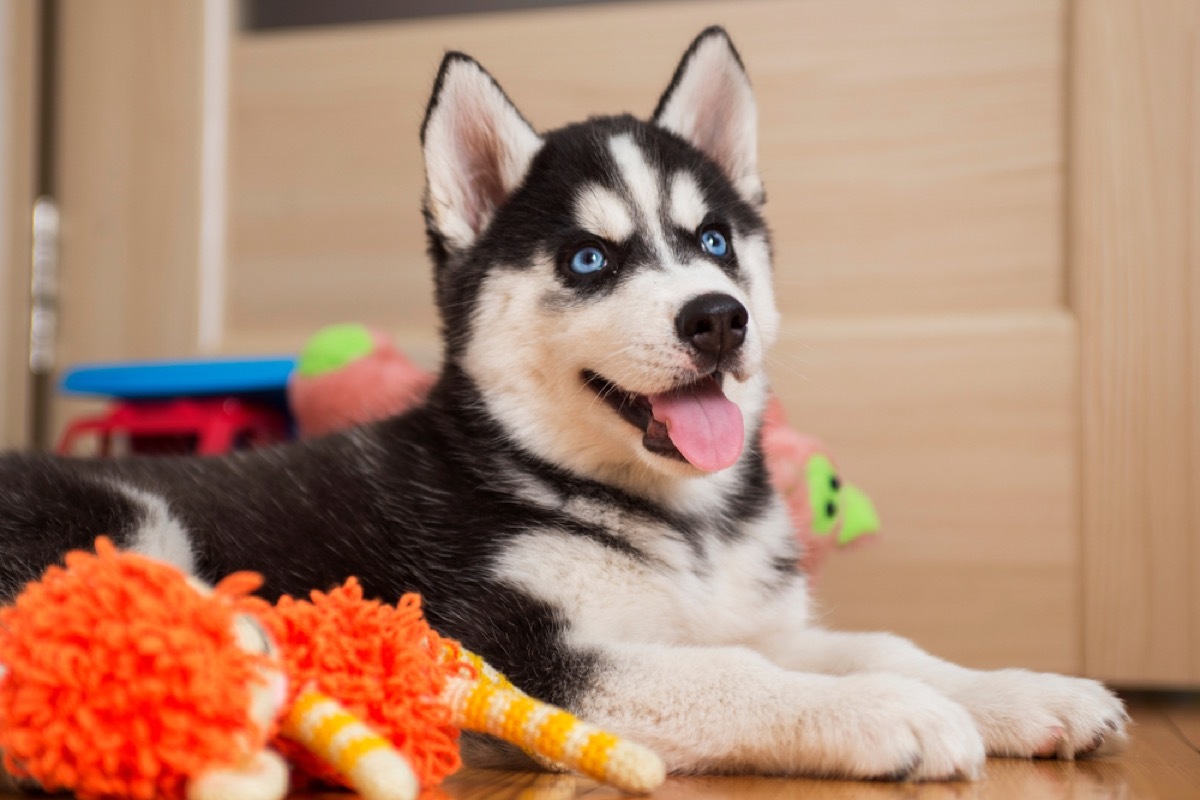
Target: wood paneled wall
1135,258
912,148
964,431
129,189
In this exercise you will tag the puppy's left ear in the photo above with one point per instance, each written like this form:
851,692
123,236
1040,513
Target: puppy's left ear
477,147
710,104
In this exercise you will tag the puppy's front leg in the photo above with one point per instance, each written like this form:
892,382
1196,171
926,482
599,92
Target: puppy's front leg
720,709
1020,713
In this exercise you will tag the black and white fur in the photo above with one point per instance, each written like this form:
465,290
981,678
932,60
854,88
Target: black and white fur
545,529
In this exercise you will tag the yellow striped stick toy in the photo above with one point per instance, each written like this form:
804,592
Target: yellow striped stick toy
369,762
487,702
480,700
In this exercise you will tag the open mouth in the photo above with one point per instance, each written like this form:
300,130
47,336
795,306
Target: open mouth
695,422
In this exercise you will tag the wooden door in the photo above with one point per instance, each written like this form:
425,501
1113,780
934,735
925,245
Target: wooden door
1135,244
129,166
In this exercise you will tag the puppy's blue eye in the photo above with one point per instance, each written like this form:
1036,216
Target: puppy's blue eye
713,242
588,260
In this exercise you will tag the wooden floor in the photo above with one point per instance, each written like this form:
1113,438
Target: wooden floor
1162,762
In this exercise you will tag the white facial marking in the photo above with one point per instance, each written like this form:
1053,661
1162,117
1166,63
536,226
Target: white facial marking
688,208
600,211
754,256
642,183
640,179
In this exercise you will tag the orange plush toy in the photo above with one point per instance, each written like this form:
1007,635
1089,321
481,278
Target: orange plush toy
123,678
382,662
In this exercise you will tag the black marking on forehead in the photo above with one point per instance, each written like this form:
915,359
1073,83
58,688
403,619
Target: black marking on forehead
538,219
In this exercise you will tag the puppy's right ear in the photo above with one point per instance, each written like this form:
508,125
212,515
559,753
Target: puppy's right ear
478,148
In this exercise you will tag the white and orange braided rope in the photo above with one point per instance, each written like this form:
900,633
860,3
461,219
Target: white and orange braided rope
487,702
369,762
481,700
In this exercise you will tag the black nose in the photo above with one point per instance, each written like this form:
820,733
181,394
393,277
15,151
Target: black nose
715,324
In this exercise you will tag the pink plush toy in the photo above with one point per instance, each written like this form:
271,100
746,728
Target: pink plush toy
826,512
349,374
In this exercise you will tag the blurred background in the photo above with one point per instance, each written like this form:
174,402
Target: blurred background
987,238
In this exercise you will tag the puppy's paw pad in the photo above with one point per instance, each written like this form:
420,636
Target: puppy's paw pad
1049,748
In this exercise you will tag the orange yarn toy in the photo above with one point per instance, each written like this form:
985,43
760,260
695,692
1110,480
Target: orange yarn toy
122,678
384,663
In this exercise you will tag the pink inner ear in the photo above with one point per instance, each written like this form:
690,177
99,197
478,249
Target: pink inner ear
712,106
713,133
483,185
477,148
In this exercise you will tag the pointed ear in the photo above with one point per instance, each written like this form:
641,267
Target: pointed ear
710,104
477,147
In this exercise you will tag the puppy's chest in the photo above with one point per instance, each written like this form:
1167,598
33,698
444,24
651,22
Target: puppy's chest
700,587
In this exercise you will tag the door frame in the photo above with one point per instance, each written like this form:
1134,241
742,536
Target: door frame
18,157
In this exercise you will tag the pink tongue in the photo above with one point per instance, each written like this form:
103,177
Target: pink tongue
704,425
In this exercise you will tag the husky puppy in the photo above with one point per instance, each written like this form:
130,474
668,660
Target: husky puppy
583,500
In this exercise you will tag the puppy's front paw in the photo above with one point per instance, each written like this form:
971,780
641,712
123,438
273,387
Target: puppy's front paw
887,727
1040,715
